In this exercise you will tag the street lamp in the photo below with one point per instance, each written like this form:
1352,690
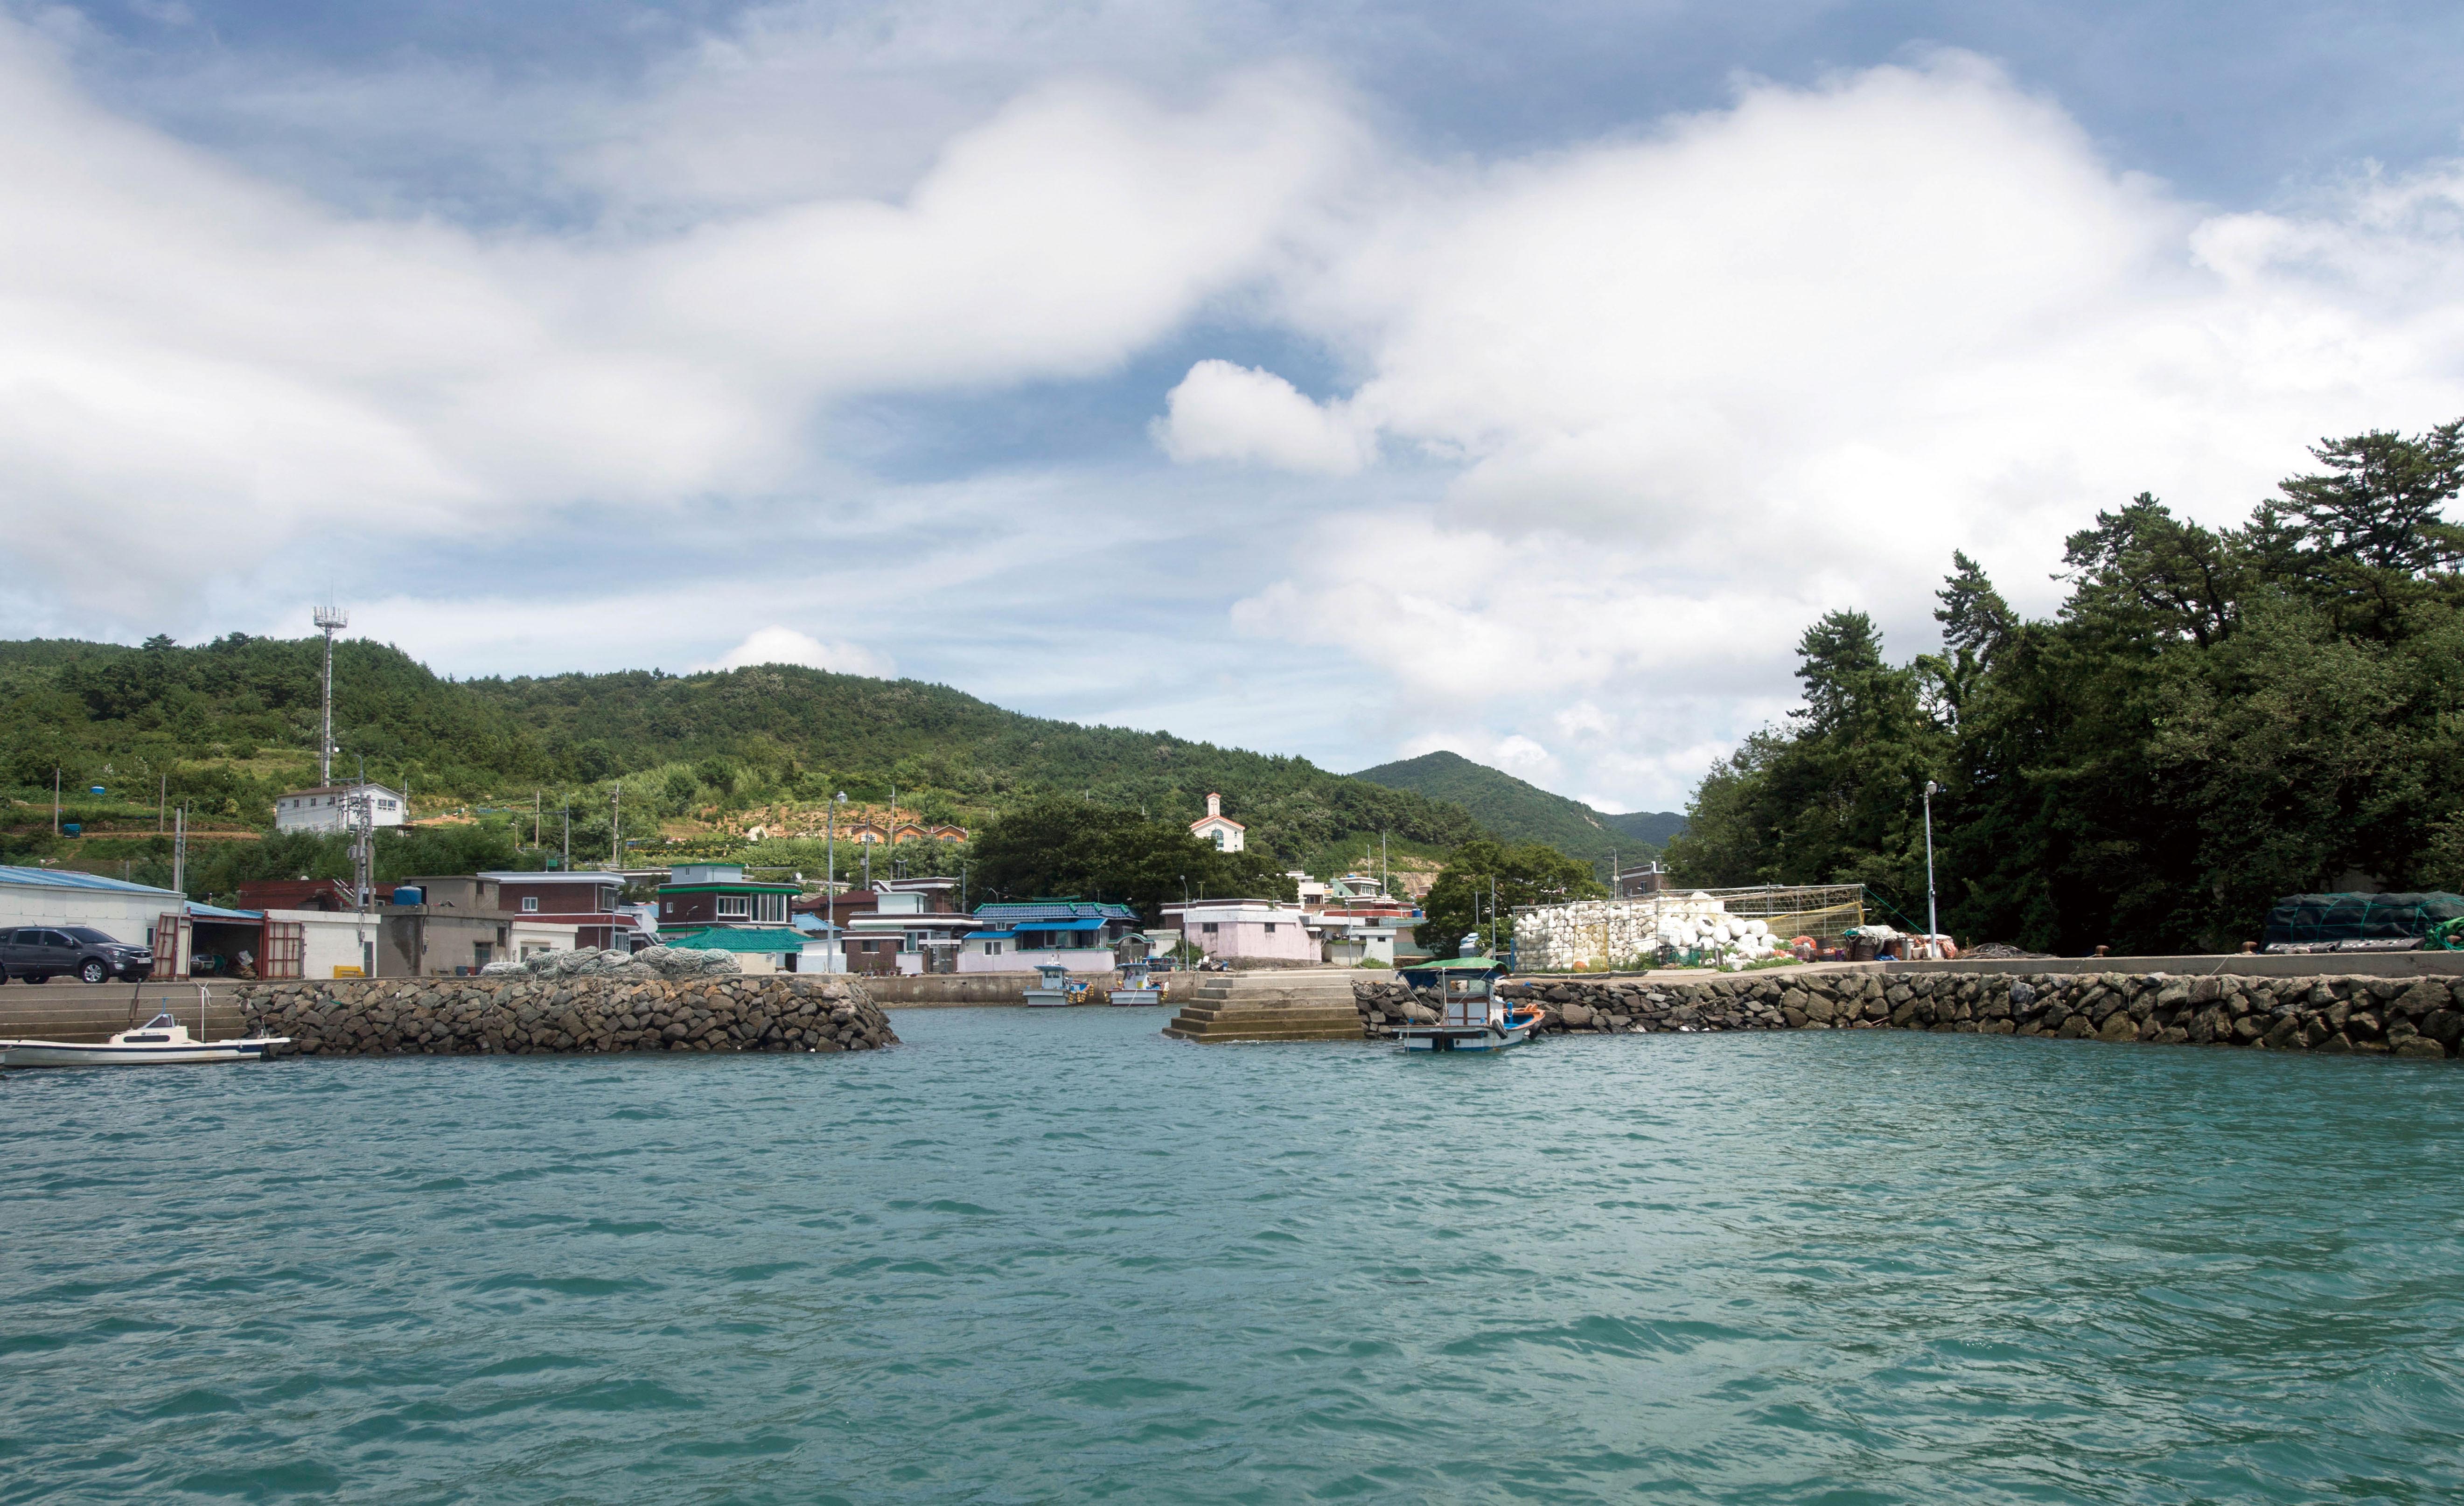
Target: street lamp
830,852
1933,927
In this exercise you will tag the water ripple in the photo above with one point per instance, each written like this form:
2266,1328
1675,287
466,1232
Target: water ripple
1028,1258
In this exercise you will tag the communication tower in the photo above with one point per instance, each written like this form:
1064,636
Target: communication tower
328,619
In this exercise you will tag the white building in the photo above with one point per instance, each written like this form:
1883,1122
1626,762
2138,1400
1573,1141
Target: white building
56,897
327,808
1226,834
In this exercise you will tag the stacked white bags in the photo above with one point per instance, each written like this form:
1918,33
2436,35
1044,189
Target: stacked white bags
1597,933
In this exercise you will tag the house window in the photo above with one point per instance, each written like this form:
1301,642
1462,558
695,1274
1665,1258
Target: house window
872,946
993,949
734,907
530,904
1209,927
481,953
1270,928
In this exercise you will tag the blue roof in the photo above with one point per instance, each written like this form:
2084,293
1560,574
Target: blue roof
217,913
68,879
1038,913
1091,923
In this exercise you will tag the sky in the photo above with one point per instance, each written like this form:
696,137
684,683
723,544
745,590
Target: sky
1344,380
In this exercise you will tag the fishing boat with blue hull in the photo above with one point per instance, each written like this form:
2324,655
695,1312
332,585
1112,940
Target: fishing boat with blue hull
159,1042
1470,1015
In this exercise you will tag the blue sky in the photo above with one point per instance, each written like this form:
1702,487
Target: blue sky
1340,380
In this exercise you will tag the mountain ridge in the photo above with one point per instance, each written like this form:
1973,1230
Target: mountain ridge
1521,811
225,725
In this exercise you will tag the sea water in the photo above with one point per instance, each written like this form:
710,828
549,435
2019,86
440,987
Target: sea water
1050,1256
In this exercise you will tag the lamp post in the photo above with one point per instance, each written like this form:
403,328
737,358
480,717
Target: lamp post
1933,927
831,850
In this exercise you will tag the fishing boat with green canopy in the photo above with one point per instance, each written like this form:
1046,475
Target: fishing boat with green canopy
1470,1015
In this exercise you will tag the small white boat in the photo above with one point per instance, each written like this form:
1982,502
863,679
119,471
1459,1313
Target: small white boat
159,1042
1052,986
1472,1016
1138,987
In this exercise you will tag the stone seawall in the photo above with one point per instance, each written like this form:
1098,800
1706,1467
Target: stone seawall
2370,1014
520,1013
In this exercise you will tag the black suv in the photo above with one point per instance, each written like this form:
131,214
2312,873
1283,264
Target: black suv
39,953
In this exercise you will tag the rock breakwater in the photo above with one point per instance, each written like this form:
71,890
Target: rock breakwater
518,1014
2369,1016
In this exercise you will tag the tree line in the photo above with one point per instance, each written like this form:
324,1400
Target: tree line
2211,719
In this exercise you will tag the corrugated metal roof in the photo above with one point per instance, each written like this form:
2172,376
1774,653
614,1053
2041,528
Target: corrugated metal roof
66,879
1028,912
765,938
217,913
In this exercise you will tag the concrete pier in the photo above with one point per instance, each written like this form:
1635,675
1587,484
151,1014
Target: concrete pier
1285,1004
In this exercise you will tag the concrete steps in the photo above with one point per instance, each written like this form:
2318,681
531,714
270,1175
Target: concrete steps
1282,1005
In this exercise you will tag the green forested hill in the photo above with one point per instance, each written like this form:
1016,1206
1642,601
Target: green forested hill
1653,828
2215,718
1522,812
231,721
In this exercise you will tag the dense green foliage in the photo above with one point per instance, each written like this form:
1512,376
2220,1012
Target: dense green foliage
1483,883
2213,719
1517,811
234,721
1054,848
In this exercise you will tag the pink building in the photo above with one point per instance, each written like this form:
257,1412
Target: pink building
1256,928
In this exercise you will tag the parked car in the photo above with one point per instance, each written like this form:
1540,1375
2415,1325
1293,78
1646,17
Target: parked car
39,953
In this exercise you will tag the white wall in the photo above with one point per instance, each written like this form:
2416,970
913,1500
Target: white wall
327,940
121,915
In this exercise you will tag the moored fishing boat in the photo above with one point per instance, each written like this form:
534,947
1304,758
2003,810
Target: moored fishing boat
161,1042
1470,1015
1052,989
1138,986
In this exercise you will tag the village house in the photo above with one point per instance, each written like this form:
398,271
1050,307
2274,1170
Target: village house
1257,930
712,906
1226,834
327,808
585,900
1019,937
911,926
1355,921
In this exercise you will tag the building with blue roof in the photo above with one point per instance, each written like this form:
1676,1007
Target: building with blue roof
1083,936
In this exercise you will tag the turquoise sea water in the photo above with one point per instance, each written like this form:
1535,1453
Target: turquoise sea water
1052,1257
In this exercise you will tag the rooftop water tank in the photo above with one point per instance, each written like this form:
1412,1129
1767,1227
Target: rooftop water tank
409,894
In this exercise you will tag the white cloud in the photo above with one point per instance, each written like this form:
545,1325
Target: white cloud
1691,389
1629,412
182,346
784,645
1221,411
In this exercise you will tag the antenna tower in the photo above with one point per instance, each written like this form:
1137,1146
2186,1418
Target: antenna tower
328,619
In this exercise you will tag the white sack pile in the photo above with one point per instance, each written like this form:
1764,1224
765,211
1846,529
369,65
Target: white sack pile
1596,933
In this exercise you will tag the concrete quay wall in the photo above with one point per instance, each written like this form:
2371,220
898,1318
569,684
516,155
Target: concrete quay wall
519,1014
2363,1012
960,989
